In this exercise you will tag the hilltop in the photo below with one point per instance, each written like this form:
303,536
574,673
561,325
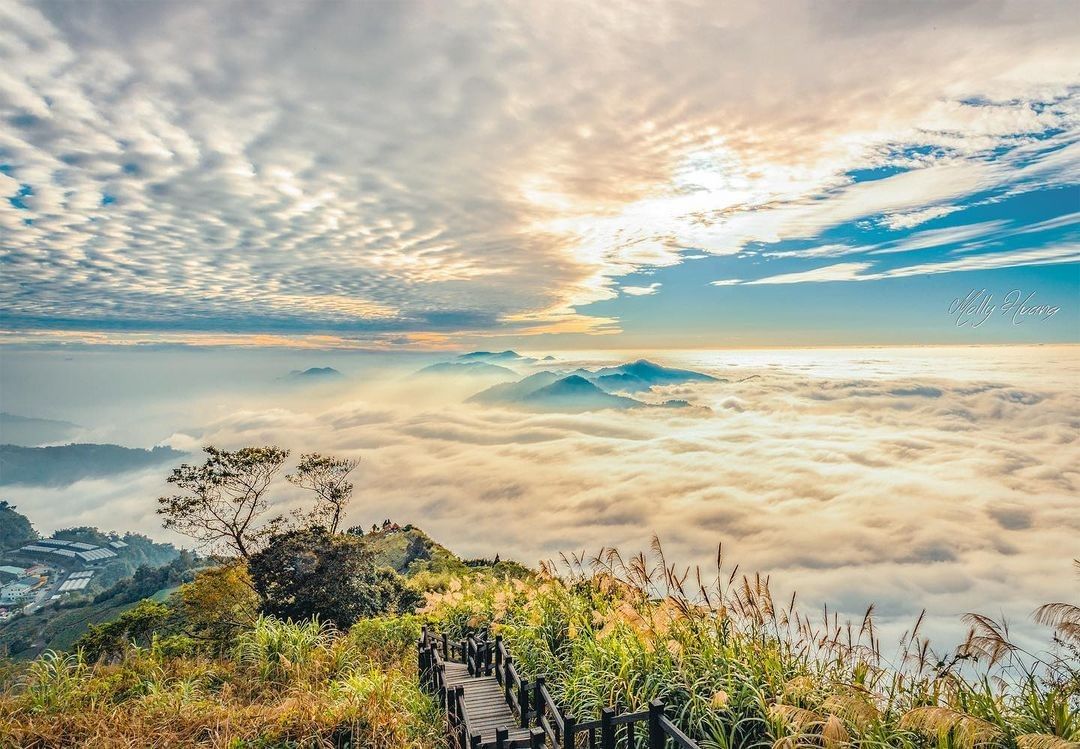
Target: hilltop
400,548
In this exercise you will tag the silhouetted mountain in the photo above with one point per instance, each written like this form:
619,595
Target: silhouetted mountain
513,392
314,374
28,431
66,464
575,393
643,374
494,356
468,369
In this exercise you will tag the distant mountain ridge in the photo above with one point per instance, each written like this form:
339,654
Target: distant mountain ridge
510,392
313,373
493,356
575,393
28,431
467,368
586,390
63,465
644,374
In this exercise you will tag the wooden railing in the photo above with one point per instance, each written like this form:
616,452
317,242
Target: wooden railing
534,707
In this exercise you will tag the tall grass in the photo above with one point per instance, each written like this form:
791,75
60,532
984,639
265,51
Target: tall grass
740,669
285,685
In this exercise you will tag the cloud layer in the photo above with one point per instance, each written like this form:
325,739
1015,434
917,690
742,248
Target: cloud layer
425,168
948,482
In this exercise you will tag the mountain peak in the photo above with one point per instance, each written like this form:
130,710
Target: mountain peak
575,393
491,355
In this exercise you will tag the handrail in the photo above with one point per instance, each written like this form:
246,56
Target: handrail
533,704
549,701
672,730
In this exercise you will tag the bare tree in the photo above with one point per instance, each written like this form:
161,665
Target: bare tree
224,499
328,477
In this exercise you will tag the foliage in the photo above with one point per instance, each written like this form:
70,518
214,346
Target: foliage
148,580
134,627
307,573
218,603
58,624
15,528
738,669
285,685
408,550
224,500
328,478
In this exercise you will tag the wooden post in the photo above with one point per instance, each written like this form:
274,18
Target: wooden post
607,728
506,678
501,737
656,731
569,731
537,738
523,703
538,698
445,647
451,707
498,653
475,741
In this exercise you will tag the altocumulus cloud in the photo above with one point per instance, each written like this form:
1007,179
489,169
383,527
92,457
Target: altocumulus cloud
396,169
852,479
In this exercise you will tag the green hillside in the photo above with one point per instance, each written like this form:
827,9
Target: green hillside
402,548
413,553
15,528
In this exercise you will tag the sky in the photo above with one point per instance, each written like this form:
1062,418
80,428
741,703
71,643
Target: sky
560,175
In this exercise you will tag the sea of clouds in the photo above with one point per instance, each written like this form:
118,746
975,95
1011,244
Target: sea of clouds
910,478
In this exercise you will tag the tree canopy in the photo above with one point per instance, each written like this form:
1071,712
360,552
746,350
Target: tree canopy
311,572
224,500
328,477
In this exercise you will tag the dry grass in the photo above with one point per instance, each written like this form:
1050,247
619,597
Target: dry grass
286,686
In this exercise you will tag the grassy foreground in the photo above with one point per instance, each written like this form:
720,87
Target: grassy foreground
740,670
735,668
282,685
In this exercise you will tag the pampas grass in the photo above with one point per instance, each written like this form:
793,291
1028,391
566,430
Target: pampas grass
739,669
